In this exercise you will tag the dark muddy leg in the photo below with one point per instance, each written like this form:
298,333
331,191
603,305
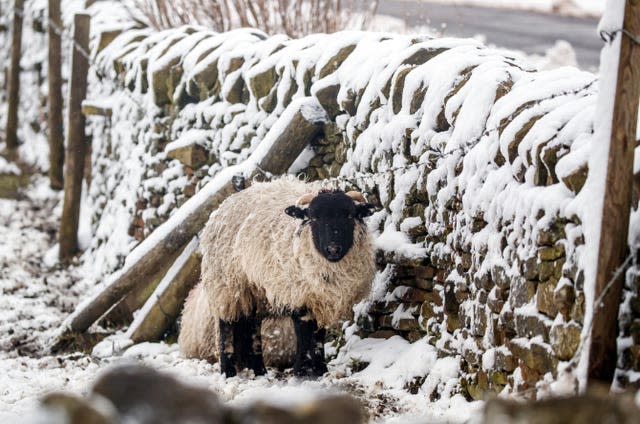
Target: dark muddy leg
227,353
317,355
247,344
310,345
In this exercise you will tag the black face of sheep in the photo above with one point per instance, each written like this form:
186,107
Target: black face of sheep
332,216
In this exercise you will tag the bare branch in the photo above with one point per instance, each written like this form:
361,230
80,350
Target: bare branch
294,18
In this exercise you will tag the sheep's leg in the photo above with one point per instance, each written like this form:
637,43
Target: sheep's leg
248,343
310,345
227,353
319,362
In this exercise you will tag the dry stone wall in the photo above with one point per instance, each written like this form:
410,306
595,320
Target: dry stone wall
473,159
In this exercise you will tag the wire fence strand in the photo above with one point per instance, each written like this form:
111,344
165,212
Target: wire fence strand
610,36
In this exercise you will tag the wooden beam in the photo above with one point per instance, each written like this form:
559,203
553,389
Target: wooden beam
121,314
76,140
298,126
54,99
13,97
617,202
163,306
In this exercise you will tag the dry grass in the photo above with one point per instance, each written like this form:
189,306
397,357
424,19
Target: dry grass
293,17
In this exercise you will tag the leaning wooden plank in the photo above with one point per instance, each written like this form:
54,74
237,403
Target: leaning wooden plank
121,314
299,124
163,307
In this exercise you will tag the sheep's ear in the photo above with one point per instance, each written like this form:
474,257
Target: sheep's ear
297,212
364,210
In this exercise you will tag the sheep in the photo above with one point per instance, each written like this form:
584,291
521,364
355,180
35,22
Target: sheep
277,249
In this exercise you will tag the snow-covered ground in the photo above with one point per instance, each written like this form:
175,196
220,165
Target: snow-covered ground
36,299
564,7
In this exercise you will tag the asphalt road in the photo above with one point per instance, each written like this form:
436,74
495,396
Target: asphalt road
527,31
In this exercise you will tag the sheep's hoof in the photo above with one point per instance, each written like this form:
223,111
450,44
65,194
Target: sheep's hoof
320,368
310,370
259,370
228,369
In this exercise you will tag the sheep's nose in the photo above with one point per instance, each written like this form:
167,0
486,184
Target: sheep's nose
334,249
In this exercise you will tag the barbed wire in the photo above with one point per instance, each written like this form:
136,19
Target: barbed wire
609,36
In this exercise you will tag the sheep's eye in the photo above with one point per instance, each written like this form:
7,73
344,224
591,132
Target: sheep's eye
350,216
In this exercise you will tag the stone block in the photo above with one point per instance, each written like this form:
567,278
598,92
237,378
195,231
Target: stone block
548,270
565,339
192,155
500,277
479,320
494,302
383,334
414,336
521,292
327,97
595,406
424,284
403,324
575,180
384,307
415,295
551,253
450,302
545,295
549,236
504,360
634,329
507,323
530,268
398,87
335,61
77,410
535,356
530,326
453,323
577,311
564,297
261,84
237,92
11,185
365,322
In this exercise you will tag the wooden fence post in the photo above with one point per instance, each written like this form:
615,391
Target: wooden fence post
617,201
14,76
55,103
76,139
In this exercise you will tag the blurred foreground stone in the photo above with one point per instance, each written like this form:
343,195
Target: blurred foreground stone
141,395
597,406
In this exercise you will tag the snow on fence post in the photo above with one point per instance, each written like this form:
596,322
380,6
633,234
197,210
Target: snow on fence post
13,99
299,125
618,186
54,100
76,139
